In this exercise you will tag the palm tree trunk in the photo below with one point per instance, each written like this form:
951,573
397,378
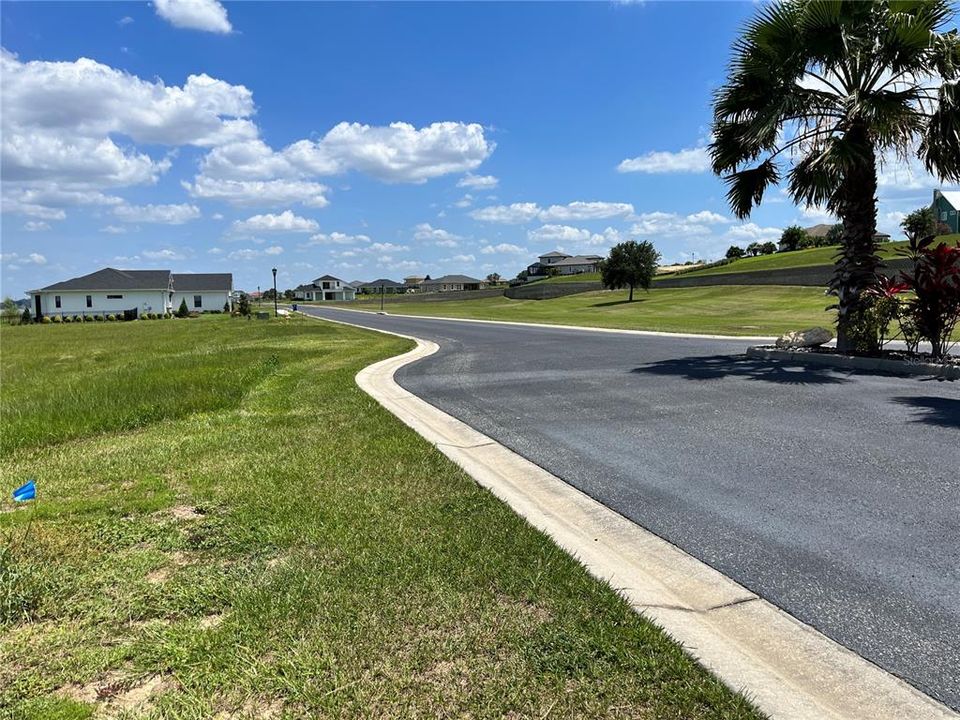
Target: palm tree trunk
857,261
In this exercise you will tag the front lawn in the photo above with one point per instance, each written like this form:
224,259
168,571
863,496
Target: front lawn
723,310
228,527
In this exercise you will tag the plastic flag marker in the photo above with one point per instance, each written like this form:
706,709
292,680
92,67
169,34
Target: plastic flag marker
27,491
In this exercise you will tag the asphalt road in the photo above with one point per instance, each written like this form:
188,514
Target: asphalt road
835,496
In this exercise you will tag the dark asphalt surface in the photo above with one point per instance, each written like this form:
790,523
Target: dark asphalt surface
835,496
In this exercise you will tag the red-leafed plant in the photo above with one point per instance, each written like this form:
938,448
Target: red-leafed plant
934,311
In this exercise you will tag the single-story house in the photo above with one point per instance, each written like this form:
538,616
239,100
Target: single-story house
946,206
449,283
326,289
821,230
111,291
387,287
412,282
564,264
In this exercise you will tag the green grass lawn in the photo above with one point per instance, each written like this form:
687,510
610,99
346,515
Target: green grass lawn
725,310
228,527
779,261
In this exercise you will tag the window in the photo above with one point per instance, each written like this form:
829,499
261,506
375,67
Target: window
89,301
114,297
56,300
943,216
198,301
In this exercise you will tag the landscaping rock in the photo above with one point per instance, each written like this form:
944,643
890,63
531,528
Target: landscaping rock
811,337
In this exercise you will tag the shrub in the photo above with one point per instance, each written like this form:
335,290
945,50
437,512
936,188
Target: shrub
183,311
26,317
98,318
226,307
57,319
935,280
111,317
46,320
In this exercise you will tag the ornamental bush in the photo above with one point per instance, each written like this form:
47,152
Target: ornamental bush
111,317
57,319
46,320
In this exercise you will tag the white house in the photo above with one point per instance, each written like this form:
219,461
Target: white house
204,292
325,289
111,291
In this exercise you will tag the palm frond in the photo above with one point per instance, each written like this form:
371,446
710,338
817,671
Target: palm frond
746,187
940,147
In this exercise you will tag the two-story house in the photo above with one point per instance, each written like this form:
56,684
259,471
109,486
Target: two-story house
325,289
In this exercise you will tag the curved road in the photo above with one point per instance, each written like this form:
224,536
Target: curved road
833,495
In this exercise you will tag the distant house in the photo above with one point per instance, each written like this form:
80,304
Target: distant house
564,264
387,287
413,282
822,230
946,205
111,291
449,283
325,289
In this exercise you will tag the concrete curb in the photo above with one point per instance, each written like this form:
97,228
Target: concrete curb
790,670
881,365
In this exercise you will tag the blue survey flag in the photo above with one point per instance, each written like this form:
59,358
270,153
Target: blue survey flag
27,491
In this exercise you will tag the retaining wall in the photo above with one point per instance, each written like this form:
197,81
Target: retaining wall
813,276
548,291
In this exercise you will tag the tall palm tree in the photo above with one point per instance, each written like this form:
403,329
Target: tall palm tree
825,89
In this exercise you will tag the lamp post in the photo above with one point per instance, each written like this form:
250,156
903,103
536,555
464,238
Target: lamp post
275,308
381,297
259,297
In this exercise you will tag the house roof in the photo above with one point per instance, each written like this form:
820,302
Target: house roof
577,260
819,230
952,197
451,279
554,253
189,282
382,281
113,279
329,277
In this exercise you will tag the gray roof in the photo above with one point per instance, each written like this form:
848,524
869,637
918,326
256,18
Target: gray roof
577,260
452,279
113,279
194,282
555,253
820,230
382,281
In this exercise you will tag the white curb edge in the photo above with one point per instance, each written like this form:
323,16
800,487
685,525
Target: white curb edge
788,669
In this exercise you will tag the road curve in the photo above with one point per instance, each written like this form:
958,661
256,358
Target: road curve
833,495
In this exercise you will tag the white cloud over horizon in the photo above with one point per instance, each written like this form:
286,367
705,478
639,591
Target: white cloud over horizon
206,15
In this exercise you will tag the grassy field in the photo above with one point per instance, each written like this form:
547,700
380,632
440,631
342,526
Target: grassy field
779,261
228,528
727,310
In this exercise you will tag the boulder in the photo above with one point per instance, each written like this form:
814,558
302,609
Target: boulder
811,337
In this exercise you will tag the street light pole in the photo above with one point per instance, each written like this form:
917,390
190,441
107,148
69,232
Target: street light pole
259,297
381,297
276,310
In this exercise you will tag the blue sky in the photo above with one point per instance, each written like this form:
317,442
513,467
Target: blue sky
367,140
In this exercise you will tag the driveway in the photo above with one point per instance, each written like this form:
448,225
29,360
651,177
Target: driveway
835,496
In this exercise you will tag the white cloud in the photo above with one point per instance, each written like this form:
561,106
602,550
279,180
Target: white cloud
425,232
558,234
386,248
36,226
585,211
518,213
672,225
165,254
503,249
478,182
335,238
509,214
463,259
260,193
285,222
690,160
751,232
464,202
113,229
35,258
819,215
207,15
273,250
164,214
215,251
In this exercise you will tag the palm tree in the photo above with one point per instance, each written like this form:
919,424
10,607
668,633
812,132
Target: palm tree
828,89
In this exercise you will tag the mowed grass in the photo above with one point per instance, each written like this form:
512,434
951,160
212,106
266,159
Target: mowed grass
268,542
797,258
725,310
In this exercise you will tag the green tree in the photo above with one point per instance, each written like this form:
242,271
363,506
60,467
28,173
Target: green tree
753,249
834,236
243,304
792,238
919,224
493,278
183,311
734,252
768,248
832,86
630,264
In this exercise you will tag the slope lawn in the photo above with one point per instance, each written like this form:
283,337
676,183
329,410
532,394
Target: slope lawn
228,527
723,310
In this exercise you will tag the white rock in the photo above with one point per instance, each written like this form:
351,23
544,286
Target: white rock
811,337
